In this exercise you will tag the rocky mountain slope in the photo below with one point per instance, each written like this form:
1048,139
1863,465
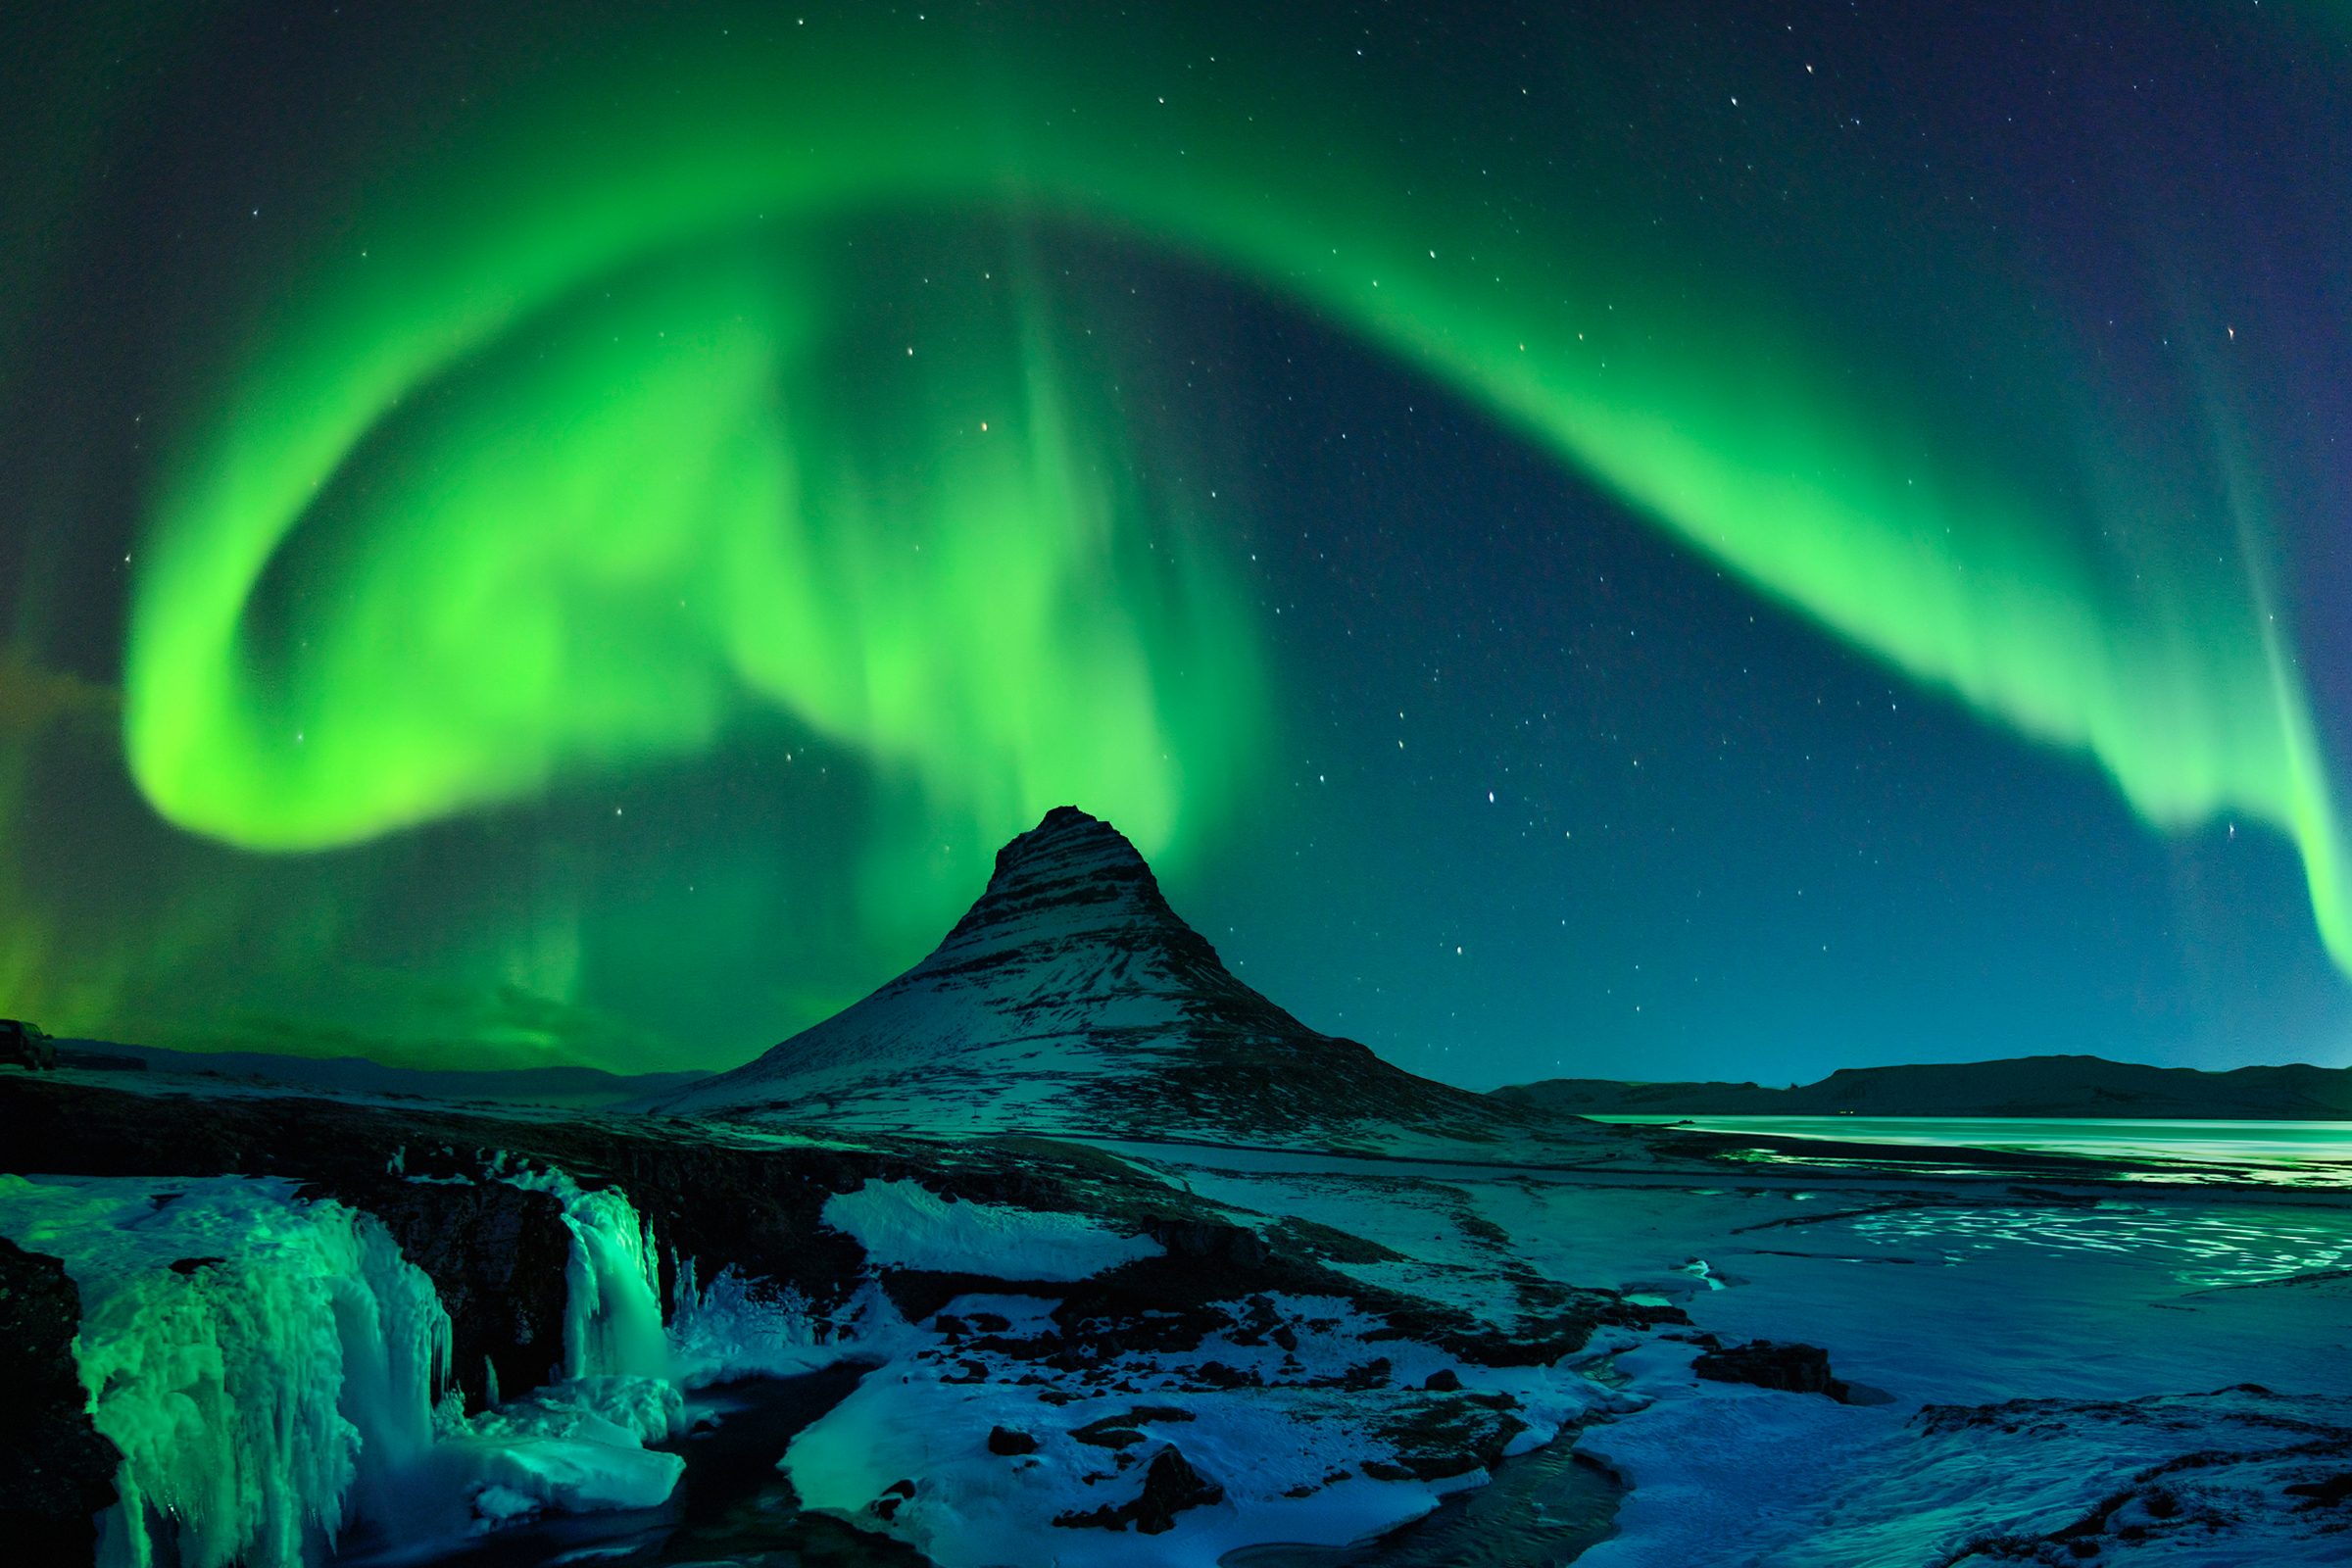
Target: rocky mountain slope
1072,999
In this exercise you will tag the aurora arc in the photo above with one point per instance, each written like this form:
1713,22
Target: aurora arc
1827,483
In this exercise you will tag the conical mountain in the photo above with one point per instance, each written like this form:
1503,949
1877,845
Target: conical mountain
1072,999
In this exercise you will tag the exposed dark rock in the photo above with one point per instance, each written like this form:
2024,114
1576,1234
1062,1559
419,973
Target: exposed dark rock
1445,1438
1446,1380
497,1254
1171,1486
190,1265
1010,1440
1108,1433
56,1471
1121,1430
1220,1243
23,1045
2332,1493
920,1292
1766,1364
1326,1244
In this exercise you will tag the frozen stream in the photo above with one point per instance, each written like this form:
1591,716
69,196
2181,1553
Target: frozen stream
731,1507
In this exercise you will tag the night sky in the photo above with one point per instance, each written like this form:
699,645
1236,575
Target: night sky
1691,540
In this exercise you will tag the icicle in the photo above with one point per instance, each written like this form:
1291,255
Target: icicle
269,1368
262,1363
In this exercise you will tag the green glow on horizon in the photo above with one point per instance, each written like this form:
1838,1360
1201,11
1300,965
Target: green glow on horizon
510,484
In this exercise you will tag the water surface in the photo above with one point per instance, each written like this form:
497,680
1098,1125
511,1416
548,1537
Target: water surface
2316,1152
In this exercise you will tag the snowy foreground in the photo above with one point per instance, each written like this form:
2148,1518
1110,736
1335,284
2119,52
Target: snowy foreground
1163,1354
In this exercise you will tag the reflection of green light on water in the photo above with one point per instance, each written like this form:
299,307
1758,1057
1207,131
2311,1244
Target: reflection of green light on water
587,369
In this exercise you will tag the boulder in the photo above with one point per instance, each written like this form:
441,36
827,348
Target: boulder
1770,1365
1170,1487
23,1045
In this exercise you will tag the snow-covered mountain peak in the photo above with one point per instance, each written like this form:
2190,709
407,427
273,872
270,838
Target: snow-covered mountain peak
1070,876
1071,998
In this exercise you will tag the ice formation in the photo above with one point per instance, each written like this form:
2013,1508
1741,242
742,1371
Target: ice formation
613,1316
269,1368
265,1365
738,1326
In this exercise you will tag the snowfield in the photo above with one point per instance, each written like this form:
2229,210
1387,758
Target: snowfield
902,1225
1171,1354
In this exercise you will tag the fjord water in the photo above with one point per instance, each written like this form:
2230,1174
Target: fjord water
2297,1152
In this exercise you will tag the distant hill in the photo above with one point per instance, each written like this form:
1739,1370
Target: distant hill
2022,1086
574,1088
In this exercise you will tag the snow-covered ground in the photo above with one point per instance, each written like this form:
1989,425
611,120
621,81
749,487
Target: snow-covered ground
1237,1348
2067,1373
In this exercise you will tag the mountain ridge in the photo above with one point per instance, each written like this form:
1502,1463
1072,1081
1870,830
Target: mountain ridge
2067,1086
567,1085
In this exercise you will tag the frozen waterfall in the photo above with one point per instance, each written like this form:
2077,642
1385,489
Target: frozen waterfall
267,1366
612,1318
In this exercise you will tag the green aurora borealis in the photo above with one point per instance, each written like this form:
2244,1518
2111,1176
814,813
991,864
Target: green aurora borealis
724,383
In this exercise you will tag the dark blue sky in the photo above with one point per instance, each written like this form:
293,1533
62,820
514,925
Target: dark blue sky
1720,842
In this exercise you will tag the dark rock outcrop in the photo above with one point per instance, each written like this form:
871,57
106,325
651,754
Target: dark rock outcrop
1768,1364
1008,1442
61,1471
1171,1486
497,1255
22,1045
